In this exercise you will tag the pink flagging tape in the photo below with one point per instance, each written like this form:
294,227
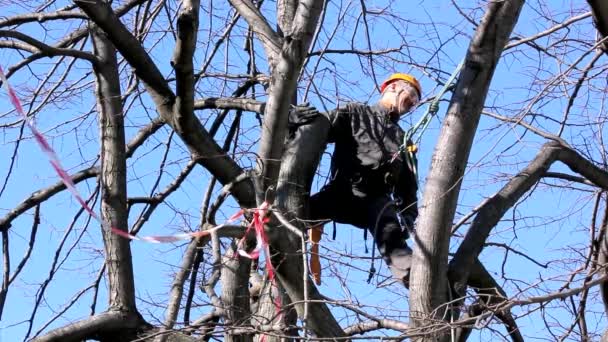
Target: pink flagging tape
257,224
259,219
71,187
45,147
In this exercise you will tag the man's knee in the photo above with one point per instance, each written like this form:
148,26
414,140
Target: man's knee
391,235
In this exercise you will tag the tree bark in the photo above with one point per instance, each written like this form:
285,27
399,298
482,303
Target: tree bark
187,28
114,211
599,9
266,309
268,315
283,84
428,285
490,294
496,206
300,160
286,10
93,327
294,166
202,146
603,260
113,175
235,297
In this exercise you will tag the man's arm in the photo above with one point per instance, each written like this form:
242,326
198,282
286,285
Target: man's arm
304,114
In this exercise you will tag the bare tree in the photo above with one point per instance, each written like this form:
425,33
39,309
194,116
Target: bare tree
134,95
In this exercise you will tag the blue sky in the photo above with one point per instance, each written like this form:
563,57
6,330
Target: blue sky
551,225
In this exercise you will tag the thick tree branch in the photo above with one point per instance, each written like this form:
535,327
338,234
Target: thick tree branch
602,258
269,38
235,297
186,125
6,268
111,322
187,28
282,87
368,326
113,174
496,206
300,160
490,294
599,8
583,166
249,105
274,129
286,10
37,47
429,265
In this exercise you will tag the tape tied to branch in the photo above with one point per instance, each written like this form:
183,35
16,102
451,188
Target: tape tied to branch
257,224
71,187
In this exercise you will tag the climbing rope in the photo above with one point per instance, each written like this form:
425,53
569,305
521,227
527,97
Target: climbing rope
410,145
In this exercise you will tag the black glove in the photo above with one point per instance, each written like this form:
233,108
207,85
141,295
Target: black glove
301,115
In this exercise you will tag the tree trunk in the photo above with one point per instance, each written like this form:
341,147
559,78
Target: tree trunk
235,296
269,314
294,169
114,213
429,284
113,175
283,84
286,10
300,161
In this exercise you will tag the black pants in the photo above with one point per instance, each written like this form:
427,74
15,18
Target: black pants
376,213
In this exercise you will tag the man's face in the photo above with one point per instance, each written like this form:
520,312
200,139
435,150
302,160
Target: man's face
406,96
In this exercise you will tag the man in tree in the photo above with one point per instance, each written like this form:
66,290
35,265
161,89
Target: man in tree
373,184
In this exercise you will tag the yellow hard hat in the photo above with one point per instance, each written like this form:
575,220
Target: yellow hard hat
404,77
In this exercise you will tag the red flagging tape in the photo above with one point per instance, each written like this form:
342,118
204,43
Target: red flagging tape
71,187
257,224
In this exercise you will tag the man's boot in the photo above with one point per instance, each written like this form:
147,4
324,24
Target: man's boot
400,264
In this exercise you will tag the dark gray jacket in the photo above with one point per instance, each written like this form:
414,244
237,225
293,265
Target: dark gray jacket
366,140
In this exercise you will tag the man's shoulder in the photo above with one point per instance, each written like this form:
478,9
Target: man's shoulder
355,107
